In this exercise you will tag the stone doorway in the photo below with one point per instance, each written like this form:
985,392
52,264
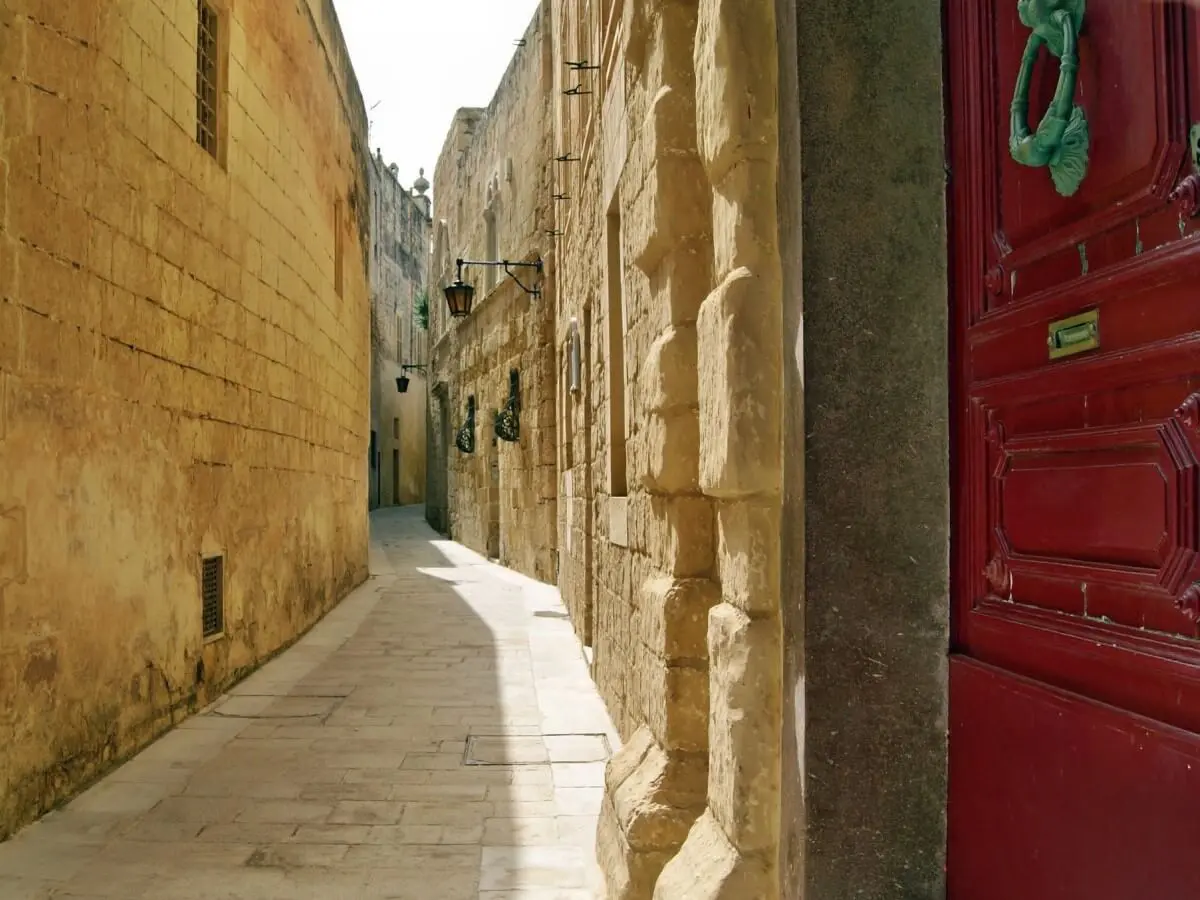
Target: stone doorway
493,500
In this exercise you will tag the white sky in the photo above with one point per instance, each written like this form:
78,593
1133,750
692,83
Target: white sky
420,60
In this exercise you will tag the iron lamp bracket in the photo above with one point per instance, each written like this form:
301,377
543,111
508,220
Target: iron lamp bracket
508,266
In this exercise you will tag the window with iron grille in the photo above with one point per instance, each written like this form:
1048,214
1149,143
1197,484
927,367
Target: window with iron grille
206,78
212,589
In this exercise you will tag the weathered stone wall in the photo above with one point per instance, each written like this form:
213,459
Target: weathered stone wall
492,192
681,594
399,260
502,499
181,374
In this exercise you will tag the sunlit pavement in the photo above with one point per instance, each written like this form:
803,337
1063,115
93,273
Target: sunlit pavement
436,737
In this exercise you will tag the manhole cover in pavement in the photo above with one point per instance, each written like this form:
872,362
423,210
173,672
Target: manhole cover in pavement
252,706
534,750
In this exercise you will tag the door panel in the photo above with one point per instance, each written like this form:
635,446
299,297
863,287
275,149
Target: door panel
1047,761
1076,674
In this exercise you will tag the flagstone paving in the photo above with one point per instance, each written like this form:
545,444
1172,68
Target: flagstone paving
436,737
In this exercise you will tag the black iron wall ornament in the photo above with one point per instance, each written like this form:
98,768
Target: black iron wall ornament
508,420
465,439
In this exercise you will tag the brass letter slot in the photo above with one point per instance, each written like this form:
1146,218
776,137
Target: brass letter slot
1077,334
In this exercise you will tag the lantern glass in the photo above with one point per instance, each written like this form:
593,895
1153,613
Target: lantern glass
459,297
402,384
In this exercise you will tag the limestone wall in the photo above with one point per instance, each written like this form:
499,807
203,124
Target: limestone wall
183,366
492,196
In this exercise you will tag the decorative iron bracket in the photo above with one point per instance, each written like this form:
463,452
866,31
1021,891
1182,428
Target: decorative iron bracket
507,265
508,420
465,439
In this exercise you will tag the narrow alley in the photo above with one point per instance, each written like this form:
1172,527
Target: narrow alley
435,736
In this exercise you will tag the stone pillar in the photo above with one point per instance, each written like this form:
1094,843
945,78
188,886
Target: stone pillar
875,498
731,851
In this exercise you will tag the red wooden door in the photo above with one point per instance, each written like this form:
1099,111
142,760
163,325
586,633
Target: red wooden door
1075,668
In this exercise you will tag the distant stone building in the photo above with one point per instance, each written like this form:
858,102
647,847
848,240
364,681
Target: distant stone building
494,201
400,229
183,364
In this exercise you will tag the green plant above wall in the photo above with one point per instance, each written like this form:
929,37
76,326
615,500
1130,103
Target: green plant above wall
421,310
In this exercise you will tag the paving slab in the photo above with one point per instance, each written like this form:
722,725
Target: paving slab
436,737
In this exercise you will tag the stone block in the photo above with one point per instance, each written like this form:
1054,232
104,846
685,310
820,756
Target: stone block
10,335
685,278
736,83
628,875
14,564
708,867
748,553
670,61
740,363
669,377
677,704
670,444
745,220
746,659
673,205
672,617
655,796
680,534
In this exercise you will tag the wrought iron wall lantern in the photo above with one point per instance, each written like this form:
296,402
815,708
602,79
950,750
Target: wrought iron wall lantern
402,381
465,439
508,420
460,295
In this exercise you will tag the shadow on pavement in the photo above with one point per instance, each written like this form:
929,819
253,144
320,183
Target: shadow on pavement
434,738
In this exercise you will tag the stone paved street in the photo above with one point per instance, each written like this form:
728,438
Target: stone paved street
436,737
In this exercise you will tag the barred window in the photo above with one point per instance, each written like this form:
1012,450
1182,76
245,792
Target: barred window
206,77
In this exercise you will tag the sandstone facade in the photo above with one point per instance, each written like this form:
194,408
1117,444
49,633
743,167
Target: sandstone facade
400,230
493,201
670,260
183,363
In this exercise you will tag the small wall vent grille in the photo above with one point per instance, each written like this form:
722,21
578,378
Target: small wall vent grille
213,596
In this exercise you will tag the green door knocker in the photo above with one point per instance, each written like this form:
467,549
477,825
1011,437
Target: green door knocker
1061,139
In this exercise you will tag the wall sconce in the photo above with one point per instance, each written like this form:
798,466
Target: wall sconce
460,295
465,439
508,420
402,381
576,357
